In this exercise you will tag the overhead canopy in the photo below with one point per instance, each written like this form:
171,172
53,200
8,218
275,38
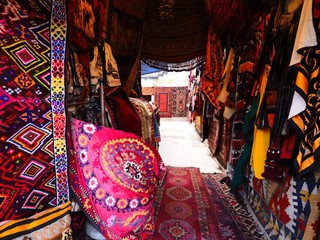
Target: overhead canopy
146,69
175,31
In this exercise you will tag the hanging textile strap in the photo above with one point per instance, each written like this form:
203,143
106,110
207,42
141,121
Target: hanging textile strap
102,82
75,77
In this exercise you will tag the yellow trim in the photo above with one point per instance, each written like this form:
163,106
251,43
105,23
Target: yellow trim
306,163
39,219
299,122
316,144
302,82
299,158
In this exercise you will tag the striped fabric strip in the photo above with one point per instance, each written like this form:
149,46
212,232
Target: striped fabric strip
16,228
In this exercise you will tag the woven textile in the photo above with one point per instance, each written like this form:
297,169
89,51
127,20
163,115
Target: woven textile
213,137
176,37
32,116
213,69
122,114
114,176
287,210
307,122
183,208
224,141
163,99
145,111
179,101
235,221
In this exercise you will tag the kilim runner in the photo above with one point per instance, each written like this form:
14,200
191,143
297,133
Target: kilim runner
183,210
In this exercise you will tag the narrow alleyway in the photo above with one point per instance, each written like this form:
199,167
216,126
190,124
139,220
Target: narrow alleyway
181,146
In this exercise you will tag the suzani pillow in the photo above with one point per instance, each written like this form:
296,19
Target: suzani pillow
54,223
114,175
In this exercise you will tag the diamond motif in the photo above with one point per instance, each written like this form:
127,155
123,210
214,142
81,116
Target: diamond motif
176,229
48,148
51,183
5,99
24,56
48,115
42,33
7,196
24,81
43,77
30,138
34,199
49,126
178,210
179,193
33,170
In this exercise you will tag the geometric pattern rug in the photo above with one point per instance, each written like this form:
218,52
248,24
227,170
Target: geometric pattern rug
182,208
33,171
179,101
163,99
289,209
235,221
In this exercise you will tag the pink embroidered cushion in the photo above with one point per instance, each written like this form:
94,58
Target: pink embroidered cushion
114,175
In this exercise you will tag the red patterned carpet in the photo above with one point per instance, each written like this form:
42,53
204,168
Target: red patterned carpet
183,209
192,205
163,99
235,222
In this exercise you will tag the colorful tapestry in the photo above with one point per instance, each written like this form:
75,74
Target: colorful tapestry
33,172
114,176
287,210
183,208
214,132
235,221
211,78
163,99
224,142
179,101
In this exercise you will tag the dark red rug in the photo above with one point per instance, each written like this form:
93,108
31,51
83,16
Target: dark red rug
179,101
235,221
193,205
163,99
183,209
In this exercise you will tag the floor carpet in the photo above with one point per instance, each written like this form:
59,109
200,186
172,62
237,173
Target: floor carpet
235,222
195,205
183,209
